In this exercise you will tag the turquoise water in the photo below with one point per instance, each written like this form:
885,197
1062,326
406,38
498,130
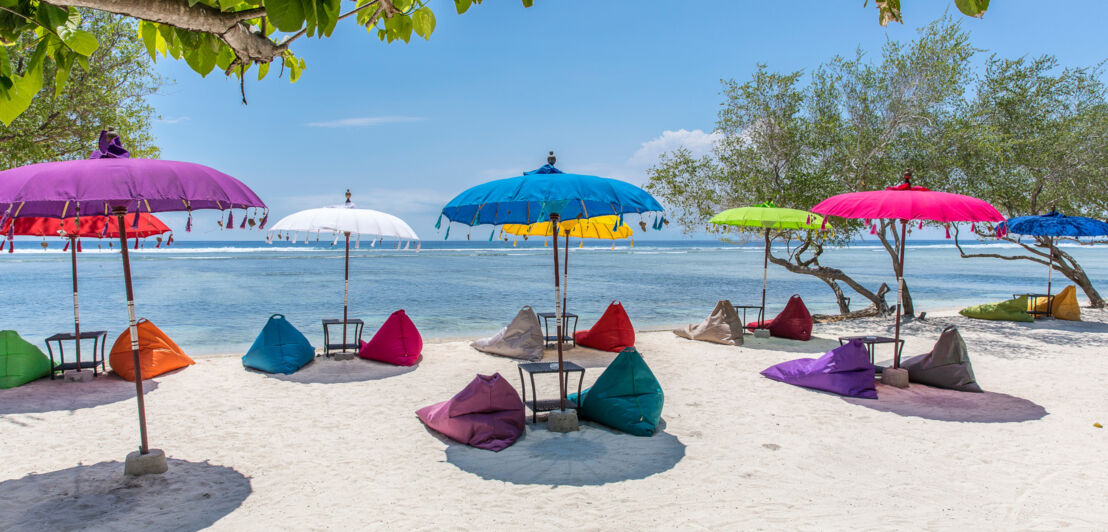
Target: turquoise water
214,297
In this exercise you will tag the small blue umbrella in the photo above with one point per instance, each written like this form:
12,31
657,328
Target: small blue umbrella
1051,225
549,194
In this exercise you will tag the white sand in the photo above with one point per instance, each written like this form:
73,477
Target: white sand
338,445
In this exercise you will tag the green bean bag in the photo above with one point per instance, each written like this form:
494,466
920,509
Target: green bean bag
20,361
1011,310
626,397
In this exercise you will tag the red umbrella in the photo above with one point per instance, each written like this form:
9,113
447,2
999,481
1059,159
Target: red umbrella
88,227
905,202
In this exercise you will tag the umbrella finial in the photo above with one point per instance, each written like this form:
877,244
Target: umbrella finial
908,177
348,196
550,159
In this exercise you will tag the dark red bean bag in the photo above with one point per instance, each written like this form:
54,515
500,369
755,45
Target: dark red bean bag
793,322
397,342
612,332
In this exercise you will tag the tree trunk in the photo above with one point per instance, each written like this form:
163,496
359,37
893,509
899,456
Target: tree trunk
833,276
891,248
1064,263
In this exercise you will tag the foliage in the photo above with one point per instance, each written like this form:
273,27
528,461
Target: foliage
233,35
889,10
110,92
852,125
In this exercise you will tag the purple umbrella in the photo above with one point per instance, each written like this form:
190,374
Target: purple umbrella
111,183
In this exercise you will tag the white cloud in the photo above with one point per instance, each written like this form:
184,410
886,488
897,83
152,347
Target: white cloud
366,121
696,141
171,120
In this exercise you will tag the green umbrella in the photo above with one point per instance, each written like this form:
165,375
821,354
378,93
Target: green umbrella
768,216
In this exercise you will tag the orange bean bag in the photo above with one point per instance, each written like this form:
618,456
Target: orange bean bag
157,353
1064,306
612,332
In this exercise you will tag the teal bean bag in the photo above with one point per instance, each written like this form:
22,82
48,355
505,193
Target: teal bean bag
20,361
1011,310
626,397
279,348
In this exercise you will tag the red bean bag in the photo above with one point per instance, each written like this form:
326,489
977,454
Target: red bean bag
612,332
487,414
397,342
793,322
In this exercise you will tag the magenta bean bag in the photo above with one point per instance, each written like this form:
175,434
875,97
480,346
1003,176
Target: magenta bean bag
487,414
397,342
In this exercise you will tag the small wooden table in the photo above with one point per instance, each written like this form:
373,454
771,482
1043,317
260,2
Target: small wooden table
871,342
340,346
1033,304
567,336
546,405
99,338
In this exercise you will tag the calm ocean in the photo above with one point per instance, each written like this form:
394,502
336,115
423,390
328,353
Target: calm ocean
214,297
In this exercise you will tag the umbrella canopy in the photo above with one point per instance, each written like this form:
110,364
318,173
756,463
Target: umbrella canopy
88,226
1051,225
346,220
110,183
768,216
535,195
600,227
548,194
905,202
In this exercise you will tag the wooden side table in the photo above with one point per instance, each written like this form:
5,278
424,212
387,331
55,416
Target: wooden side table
341,347
567,336
546,405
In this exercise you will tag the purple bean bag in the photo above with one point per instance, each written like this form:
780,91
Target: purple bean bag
845,370
487,414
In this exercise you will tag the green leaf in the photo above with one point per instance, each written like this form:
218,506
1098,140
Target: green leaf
462,5
263,69
287,15
423,22
24,88
381,34
399,27
528,3
82,61
149,33
327,15
403,5
80,41
61,75
201,57
972,8
225,56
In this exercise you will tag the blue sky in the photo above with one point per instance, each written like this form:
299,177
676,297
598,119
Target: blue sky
607,85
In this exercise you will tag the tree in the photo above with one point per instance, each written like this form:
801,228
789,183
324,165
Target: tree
855,125
112,91
889,10
1040,143
234,35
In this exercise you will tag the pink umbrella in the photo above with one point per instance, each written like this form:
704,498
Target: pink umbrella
905,202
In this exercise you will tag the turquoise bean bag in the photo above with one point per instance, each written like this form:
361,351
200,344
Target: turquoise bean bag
1011,310
20,361
626,397
279,348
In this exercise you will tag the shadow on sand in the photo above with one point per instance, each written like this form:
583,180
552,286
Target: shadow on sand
816,345
938,404
45,395
330,371
190,496
592,456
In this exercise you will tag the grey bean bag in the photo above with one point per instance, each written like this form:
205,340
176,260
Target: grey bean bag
522,338
946,366
721,327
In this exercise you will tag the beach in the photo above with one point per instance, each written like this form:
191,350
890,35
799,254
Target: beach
337,445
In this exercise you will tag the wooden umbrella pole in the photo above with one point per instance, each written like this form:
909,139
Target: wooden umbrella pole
899,295
119,213
1049,275
565,284
558,315
76,311
345,292
765,270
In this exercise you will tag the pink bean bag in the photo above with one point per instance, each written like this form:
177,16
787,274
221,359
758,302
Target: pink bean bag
396,342
487,414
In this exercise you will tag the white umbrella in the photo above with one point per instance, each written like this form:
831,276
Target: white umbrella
346,220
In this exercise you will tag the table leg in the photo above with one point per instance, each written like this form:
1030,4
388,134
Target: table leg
580,381
534,401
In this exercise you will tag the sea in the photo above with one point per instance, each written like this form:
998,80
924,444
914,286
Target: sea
214,297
